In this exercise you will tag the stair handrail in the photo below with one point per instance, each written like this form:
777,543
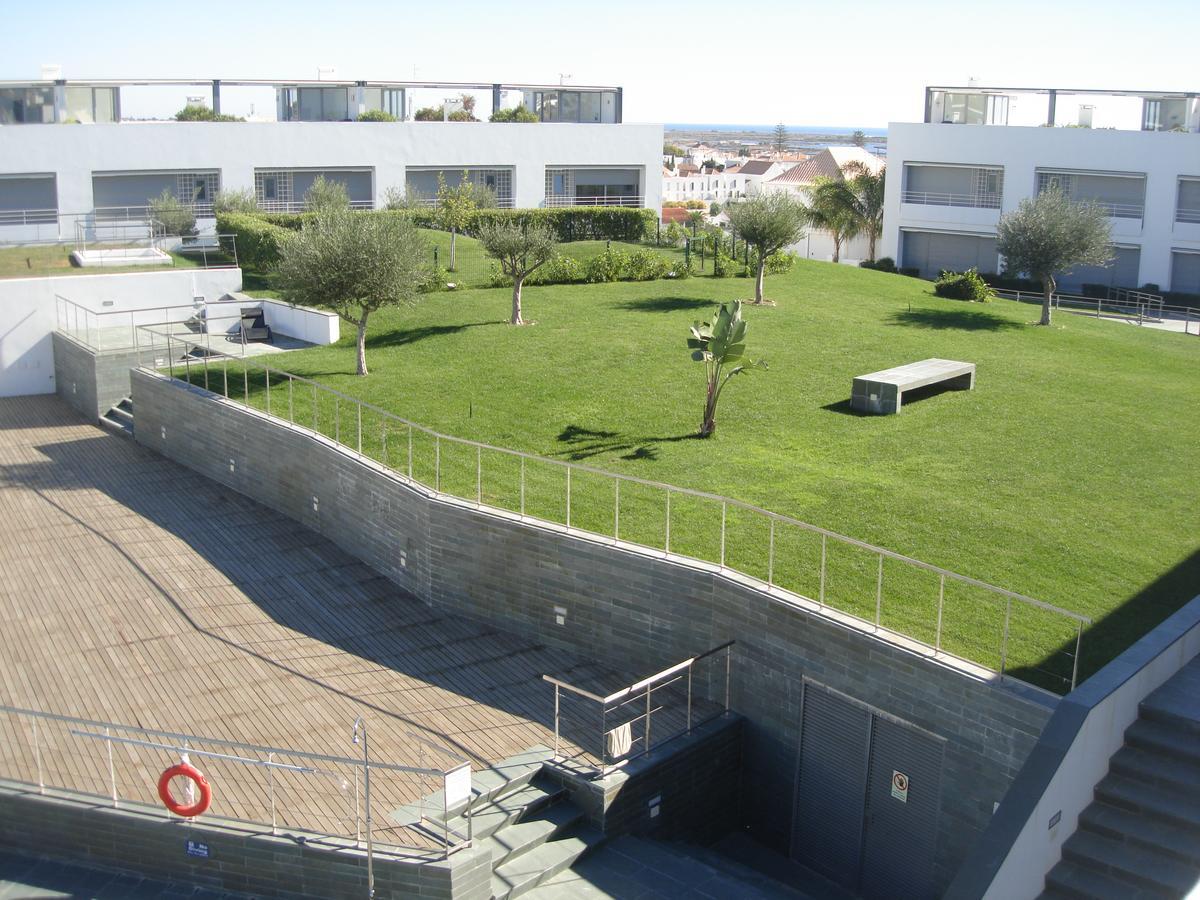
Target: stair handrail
643,689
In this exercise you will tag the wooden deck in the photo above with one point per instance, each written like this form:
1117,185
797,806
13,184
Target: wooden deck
136,592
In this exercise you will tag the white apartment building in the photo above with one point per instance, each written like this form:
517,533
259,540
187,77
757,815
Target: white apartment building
744,180
69,163
980,151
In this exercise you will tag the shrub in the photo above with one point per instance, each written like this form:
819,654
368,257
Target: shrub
435,279
911,271
171,215
560,270
197,113
516,114
258,242
675,234
326,193
239,201
611,265
725,266
461,115
646,265
883,264
376,115
963,286
428,114
682,270
780,263
695,204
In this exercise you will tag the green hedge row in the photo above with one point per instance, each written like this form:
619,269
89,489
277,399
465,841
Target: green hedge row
258,240
569,223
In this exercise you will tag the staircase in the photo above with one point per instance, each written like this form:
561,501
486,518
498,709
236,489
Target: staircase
119,419
1140,837
526,820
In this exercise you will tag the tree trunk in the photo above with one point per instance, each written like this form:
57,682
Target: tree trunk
709,424
362,343
516,306
1047,291
871,246
453,235
758,280
837,248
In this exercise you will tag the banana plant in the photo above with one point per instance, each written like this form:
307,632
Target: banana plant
721,346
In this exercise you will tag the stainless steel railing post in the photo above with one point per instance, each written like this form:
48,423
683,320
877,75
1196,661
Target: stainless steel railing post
271,791
112,770
937,641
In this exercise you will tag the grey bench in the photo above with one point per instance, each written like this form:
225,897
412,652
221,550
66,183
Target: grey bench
881,392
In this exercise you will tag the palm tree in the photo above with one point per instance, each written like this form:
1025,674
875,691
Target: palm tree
867,187
832,207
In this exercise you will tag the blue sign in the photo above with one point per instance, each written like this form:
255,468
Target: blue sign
195,848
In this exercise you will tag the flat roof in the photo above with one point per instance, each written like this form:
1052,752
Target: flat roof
1049,90
299,82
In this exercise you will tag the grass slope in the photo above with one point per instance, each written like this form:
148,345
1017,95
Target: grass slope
1068,474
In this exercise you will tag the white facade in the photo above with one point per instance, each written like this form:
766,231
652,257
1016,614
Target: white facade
718,187
65,160
1150,179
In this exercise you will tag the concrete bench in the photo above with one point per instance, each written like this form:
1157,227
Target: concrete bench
881,392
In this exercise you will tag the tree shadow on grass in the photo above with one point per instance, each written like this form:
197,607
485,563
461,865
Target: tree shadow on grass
960,319
664,304
399,337
584,443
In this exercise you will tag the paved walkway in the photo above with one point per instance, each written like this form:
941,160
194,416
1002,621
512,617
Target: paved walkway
135,591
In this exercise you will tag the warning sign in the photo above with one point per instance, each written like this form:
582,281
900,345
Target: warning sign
900,786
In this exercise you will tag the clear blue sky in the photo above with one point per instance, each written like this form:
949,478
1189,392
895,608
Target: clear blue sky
832,63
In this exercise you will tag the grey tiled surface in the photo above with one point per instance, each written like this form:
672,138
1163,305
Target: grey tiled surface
25,878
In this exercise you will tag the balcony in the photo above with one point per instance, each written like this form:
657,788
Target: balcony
938,198
560,200
1063,108
1119,194
55,101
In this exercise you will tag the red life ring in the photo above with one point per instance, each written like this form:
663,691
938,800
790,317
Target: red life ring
189,772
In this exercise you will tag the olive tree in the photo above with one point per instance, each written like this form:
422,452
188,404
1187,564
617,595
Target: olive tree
768,223
170,215
456,206
1050,234
520,252
354,264
721,346
324,193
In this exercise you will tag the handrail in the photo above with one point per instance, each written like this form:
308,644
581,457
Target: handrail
244,754
726,503
635,692
982,200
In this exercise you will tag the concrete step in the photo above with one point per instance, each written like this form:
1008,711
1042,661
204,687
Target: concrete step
117,426
521,837
1162,738
1149,869
515,806
1155,768
120,414
1153,802
522,873
1080,882
1138,830
126,404
495,781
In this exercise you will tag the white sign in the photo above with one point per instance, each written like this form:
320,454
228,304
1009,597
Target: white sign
458,786
900,786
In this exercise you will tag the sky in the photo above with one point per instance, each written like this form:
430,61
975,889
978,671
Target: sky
857,64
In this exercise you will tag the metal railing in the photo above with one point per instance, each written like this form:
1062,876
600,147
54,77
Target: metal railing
321,798
681,696
1134,306
774,552
1121,210
558,200
299,206
1188,216
144,212
937,198
28,216
502,202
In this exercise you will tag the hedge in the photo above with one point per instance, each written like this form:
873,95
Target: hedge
258,241
569,223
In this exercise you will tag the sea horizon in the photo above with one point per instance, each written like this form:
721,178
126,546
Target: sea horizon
769,129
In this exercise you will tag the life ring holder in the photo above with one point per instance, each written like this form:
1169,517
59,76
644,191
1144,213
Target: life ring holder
185,770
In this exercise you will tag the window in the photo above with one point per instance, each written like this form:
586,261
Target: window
270,188
589,107
569,111
1062,180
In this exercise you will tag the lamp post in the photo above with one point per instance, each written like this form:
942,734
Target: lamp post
360,725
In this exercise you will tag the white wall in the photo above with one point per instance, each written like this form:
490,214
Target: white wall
73,152
28,312
1161,156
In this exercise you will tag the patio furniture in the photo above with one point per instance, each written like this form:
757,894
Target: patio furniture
254,326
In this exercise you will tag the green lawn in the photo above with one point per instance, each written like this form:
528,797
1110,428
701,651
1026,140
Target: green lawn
1068,474
38,260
